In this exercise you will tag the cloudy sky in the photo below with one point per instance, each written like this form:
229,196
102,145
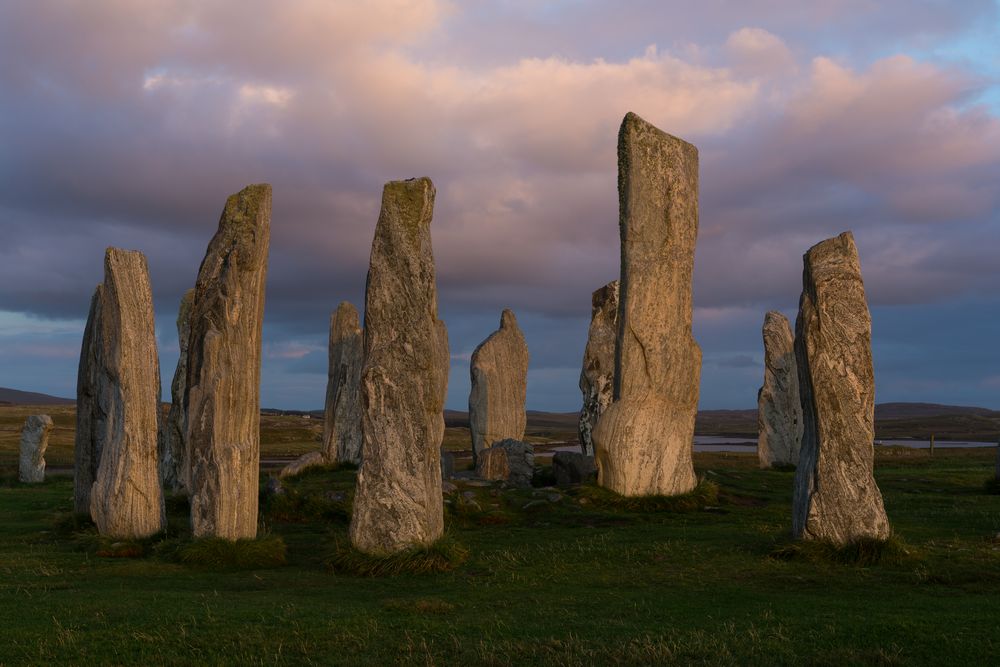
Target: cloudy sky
128,124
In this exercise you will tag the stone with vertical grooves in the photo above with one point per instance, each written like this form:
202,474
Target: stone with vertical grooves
598,373
342,416
34,441
222,392
643,440
397,503
126,500
91,414
836,499
499,370
172,429
779,413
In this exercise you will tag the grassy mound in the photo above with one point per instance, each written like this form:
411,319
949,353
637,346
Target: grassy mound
862,552
216,553
442,556
704,495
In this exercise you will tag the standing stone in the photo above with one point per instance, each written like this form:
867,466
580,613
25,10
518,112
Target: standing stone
509,460
499,372
398,501
126,500
34,441
91,413
643,441
836,498
779,413
172,429
598,375
222,396
571,468
342,416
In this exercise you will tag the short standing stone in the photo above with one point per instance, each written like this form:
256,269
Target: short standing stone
512,461
91,411
779,412
126,500
499,371
571,468
342,416
598,374
398,503
492,464
34,441
643,440
173,428
222,393
836,498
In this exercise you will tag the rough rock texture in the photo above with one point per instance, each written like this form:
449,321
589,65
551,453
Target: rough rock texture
126,500
836,498
571,468
598,374
91,415
643,441
447,465
397,503
222,396
510,460
173,428
342,417
34,441
779,412
303,463
499,370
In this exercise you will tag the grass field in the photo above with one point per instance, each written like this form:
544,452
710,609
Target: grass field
551,578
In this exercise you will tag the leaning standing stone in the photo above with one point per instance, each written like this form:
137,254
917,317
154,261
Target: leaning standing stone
34,441
836,498
91,410
643,441
499,370
779,413
342,416
172,429
598,374
126,500
223,371
398,501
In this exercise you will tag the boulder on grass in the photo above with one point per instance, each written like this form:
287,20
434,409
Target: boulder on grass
572,468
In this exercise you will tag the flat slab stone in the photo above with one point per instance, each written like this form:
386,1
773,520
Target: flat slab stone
779,411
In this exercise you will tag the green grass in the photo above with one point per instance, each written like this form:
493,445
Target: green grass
263,552
861,552
444,555
582,579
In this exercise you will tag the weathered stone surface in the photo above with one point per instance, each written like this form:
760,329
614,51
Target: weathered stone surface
222,393
34,441
643,441
836,498
492,464
779,412
91,415
173,428
499,370
397,503
447,465
571,468
126,500
512,461
598,374
303,463
342,417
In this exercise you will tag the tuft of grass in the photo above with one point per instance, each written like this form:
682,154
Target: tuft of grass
216,553
442,556
704,495
469,513
862,552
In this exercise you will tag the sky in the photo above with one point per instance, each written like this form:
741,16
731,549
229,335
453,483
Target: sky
128,124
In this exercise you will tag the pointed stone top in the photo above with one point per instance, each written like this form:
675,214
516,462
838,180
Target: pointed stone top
345,318
636,127
841,244
507,319
775,317
248,204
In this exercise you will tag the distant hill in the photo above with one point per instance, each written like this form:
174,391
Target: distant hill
17,397
918,410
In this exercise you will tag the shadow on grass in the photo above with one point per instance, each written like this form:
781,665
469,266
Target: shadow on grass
992,486
861,552
704,495
442,556
215,553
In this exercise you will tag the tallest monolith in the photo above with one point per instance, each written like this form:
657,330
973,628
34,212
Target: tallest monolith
643,440
222,396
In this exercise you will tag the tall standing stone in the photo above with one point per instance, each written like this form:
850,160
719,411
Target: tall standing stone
342,416
779,412
398,501
34,441
598,374
499,371
836,498
222,396
643,441
91,412
126,500
172,429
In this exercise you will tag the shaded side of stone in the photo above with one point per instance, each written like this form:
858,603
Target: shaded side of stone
598,373
34,441
91,411
779,411
342,414
571,468
173,428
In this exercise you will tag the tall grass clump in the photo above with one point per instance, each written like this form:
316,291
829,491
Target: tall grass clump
862,552
216,553
704,495
443,555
